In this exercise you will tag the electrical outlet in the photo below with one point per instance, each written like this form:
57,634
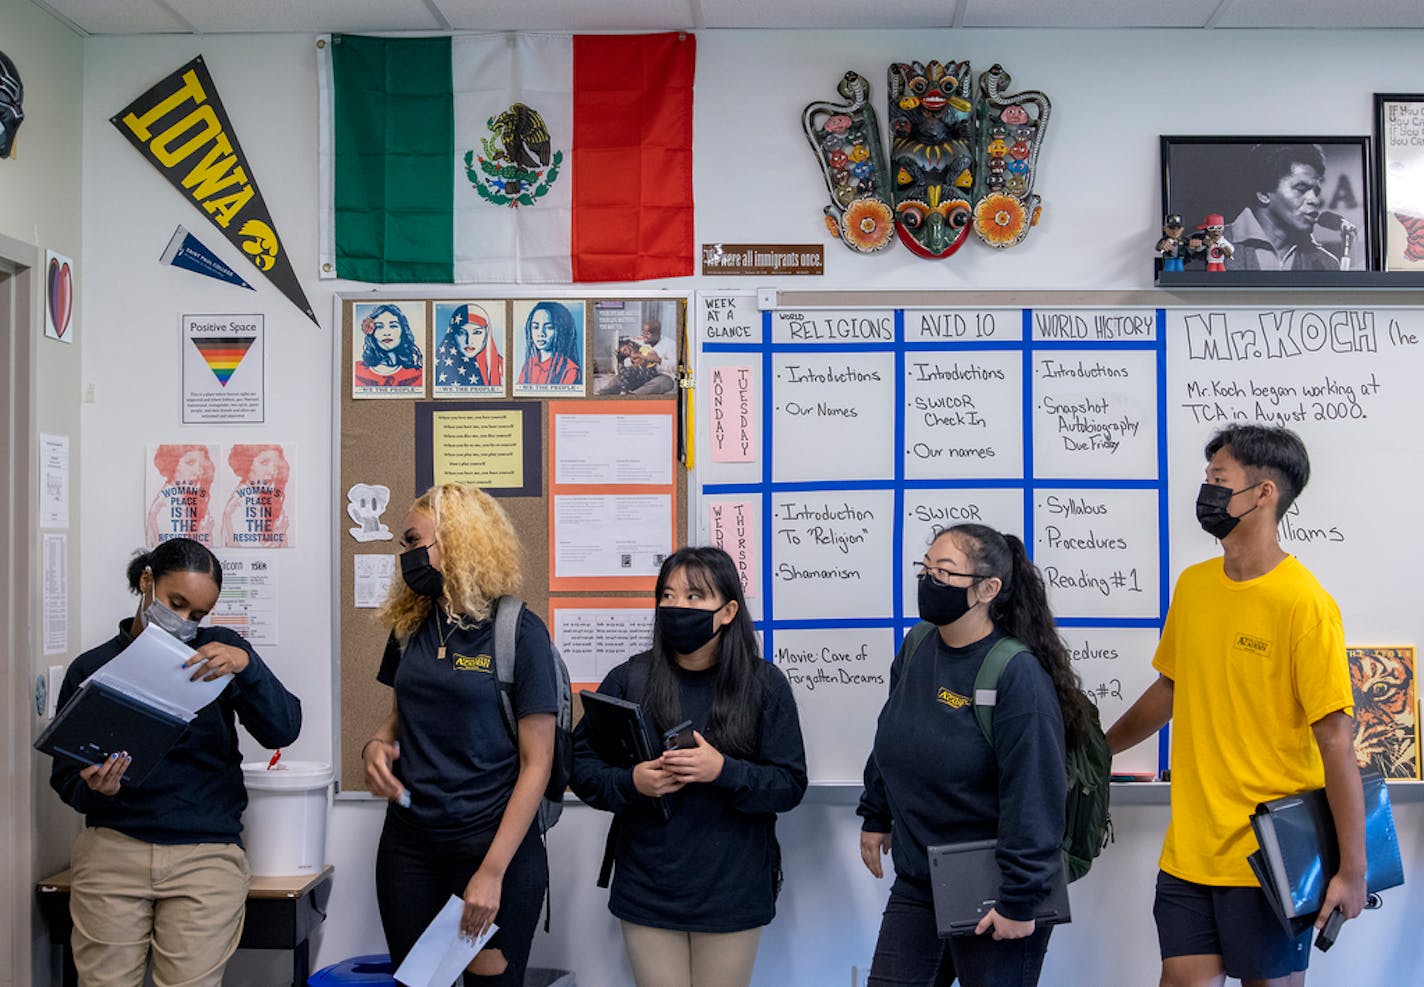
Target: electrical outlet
89,393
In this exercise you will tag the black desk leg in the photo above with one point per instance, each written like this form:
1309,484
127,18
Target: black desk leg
301,964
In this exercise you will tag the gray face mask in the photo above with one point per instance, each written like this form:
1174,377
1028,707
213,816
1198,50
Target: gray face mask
162,616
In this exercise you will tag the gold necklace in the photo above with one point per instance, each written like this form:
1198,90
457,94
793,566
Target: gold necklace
439,620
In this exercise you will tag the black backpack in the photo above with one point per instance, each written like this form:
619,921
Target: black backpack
1087,823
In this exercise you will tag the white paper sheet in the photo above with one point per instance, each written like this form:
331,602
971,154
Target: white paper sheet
621,449
56,593
151,669
594,639
442,952
248,604
54,481
611,536
374,574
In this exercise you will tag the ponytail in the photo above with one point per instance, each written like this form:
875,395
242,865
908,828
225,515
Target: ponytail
1021,611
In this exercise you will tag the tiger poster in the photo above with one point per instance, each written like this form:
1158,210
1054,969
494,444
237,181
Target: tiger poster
1386,710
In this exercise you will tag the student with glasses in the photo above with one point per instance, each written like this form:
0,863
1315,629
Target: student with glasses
933,778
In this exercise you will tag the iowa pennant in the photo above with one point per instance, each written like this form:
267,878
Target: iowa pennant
223,353
181,128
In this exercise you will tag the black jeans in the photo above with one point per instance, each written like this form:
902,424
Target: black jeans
910,953
416,874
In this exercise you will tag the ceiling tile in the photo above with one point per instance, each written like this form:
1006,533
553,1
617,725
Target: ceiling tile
561,15
316,16
816,14
117,16
1098,14
1322,14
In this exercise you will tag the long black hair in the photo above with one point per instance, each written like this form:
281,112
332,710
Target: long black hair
735,720
174,555
1021,611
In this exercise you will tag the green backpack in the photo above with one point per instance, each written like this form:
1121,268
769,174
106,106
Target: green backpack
1087,823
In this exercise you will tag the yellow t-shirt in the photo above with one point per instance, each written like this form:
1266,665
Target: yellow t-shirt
1253,664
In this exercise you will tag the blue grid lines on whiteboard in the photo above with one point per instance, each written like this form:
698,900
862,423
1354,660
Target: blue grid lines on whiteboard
1087,490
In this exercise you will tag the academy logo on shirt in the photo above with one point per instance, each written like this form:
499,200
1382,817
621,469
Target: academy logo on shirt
1257,646
479,663
952,699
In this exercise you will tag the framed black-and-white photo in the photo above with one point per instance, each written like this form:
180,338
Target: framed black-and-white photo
1399,153
1284,203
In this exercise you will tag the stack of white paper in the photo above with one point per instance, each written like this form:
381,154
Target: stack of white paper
151,670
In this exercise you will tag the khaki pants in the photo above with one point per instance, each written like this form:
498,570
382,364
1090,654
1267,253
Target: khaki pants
180,906
665,958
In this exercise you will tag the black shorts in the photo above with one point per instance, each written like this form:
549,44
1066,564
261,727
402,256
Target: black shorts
1236,924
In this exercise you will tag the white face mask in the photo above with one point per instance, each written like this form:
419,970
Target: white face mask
165,618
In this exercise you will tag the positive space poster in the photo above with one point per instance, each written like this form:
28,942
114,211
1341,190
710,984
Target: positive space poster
223,369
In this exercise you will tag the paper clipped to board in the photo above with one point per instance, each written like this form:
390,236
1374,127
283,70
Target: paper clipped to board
442,952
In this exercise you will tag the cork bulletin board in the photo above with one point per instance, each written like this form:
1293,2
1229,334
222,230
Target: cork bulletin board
395,431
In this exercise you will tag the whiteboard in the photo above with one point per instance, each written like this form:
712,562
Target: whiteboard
1079,429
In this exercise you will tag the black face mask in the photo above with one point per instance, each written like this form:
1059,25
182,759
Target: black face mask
420,575
1212,513
685,629
941,604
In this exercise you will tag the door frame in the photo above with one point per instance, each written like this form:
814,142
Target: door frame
21,315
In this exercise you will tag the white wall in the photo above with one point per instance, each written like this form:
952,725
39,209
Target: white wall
755,180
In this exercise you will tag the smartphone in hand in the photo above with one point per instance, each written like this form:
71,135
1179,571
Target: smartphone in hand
679,737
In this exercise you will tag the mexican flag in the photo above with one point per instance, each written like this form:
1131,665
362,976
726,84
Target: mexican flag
540,158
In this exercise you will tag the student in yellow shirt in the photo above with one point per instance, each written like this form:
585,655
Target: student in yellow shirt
1254,675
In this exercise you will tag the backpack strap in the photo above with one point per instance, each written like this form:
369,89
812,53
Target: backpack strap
986,683
610,843
913,639
507,611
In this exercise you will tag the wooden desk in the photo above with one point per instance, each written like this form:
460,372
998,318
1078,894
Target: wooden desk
281,914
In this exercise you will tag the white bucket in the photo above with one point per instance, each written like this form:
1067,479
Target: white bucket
284,827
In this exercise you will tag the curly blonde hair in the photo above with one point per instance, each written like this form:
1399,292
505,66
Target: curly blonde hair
479,558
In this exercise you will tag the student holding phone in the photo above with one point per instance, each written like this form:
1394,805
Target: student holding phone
694,891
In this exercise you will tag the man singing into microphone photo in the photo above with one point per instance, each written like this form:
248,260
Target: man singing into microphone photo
1276,229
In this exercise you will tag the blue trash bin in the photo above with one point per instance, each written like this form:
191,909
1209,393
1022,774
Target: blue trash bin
371,971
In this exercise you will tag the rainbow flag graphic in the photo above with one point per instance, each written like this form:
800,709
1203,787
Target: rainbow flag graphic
224,353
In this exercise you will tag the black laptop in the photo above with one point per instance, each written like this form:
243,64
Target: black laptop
619,734
965,880
100,720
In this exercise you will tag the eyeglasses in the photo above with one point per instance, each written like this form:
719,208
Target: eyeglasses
942,576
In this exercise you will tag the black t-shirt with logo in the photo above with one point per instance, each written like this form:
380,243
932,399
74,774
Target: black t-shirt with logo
457,759
932,778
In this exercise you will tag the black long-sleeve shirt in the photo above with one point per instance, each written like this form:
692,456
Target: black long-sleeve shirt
196,793
932,777
712,866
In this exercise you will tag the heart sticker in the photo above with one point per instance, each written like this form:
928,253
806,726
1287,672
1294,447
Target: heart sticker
61,296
